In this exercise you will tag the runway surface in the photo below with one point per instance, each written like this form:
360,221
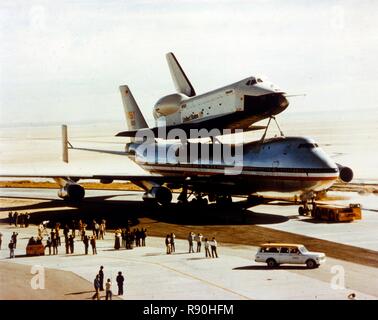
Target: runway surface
151,274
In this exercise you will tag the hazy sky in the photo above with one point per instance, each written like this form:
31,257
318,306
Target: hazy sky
63,61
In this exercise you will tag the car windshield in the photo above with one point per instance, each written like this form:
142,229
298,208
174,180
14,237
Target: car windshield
303,249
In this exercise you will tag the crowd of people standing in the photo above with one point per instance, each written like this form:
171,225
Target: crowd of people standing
193,239
21,219
54,239
98,284
125,238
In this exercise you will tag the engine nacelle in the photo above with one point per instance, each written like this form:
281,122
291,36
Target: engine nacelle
72,191
345,173
168,105
161,195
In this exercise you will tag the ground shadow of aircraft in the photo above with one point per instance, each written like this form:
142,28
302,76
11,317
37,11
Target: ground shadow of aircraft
122,213
56,202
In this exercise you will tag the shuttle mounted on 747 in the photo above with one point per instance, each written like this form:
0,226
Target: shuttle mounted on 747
289,165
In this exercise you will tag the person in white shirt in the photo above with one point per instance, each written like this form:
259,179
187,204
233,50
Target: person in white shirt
173,236
168,244
199,241
108,287
190,240
214,244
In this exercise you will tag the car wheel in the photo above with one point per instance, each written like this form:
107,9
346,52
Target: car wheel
310,264
301,211
271,263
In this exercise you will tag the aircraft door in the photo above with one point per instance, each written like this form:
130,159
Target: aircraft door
275,164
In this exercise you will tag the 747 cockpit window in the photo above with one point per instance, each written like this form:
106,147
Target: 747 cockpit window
308,145
251,82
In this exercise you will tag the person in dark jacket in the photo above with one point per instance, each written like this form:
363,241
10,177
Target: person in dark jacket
191,240
86,244
66,231
96,284
67,244
93,244
120,279
54,243
14,239
117,239
71,243
101,278
144,236
15,219
48,245
11,249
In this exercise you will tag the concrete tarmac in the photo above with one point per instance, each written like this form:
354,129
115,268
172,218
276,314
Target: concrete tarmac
152,274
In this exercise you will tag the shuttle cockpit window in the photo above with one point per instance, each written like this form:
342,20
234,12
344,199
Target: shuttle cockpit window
251,82
308,145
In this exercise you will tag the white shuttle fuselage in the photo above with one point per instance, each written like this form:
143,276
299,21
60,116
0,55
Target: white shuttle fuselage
239,104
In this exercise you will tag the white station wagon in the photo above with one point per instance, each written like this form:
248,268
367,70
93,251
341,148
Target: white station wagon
274,254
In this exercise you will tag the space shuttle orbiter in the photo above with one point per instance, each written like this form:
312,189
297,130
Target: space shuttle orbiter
234,106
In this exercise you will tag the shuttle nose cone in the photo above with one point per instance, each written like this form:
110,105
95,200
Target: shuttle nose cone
282,103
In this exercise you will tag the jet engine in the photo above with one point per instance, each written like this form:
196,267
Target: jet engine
168,105
345,173
72,191
160,194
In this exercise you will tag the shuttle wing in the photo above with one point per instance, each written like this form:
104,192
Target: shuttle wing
209,124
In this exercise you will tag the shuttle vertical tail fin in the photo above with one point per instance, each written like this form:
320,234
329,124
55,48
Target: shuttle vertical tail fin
179,78
134,117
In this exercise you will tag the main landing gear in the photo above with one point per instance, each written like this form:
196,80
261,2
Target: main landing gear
308,206
199,199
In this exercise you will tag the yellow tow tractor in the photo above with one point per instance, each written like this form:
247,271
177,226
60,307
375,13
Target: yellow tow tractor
337,213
